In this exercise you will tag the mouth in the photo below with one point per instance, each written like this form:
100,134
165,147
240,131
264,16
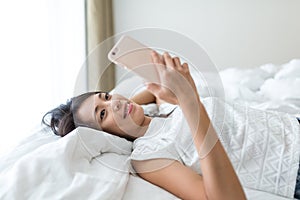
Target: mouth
127,110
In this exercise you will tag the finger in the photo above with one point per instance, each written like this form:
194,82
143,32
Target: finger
156,59
159,58
168,59
177,63
185,67
162,59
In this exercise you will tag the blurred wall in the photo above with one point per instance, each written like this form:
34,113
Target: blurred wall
235,33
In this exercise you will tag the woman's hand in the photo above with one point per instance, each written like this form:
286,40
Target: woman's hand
176,80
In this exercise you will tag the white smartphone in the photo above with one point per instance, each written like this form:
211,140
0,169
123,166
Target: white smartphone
135,56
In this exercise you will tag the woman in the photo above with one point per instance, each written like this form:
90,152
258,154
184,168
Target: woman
125,118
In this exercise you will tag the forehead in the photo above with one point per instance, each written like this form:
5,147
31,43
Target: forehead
86,111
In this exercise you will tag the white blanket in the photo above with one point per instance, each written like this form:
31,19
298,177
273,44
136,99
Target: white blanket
268,87
70,168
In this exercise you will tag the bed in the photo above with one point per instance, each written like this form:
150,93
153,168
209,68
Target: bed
85,165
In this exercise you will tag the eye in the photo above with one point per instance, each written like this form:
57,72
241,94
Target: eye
102,113
106,96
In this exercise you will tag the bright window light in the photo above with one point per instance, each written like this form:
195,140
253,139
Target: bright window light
42,46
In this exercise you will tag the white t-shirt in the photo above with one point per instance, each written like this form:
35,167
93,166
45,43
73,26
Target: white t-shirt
168,138
264,147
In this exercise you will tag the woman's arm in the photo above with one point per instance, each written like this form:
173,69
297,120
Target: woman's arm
219,178
174,177
146,97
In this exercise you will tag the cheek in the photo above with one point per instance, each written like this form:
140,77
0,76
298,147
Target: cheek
138,116
117,125
110,125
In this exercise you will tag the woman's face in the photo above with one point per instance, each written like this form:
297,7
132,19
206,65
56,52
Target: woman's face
114,114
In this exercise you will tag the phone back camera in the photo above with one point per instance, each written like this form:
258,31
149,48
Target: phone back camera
115,51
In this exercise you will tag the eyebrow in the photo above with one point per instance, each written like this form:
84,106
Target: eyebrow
95,113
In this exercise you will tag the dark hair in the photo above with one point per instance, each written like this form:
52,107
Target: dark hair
62,119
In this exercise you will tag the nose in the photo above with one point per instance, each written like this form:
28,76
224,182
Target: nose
115,104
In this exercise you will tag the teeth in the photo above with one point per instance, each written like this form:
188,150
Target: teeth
126,110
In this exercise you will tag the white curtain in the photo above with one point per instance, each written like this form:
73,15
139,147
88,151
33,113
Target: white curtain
42,48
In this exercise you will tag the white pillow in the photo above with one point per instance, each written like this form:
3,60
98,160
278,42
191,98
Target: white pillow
289,70
86,163
249,78
281,89
102,142
129,86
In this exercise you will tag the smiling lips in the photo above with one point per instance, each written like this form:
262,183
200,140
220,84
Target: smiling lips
128,109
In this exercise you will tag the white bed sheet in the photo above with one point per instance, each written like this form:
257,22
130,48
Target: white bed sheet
268,87
255,86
